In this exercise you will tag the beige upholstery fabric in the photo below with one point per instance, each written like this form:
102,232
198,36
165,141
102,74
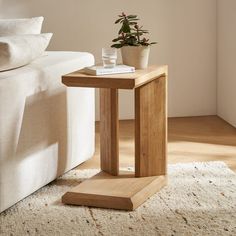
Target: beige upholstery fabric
45,129
20,50
21,26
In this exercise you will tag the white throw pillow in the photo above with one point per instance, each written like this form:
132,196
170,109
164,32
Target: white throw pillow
20,26
20,50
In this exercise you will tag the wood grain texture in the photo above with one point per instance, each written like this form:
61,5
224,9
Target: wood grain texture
119,81
118,192
108,189
109,140
151,128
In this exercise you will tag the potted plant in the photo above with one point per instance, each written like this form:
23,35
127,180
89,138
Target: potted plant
134,46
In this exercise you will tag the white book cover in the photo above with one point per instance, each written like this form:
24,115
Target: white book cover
100,70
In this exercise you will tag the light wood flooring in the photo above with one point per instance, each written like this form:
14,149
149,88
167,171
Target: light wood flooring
192,139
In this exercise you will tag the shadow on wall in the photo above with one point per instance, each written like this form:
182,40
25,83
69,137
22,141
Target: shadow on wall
13,8
185,32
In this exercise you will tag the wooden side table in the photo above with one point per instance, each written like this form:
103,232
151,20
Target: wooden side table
124,190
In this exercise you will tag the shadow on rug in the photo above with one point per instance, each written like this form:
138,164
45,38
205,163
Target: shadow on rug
200,199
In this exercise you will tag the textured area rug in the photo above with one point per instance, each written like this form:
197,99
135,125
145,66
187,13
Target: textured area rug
200,199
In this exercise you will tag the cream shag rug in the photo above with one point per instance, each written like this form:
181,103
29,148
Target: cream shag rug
200,199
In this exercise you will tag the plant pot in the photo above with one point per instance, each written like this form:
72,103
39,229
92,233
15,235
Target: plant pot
136,56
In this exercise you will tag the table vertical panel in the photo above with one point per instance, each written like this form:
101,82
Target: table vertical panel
109,131
150,128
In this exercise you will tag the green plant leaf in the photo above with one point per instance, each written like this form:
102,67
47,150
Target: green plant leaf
133,21
117,39
144,31
117,21
130,32
136,34
131,40
132,16
121,30
126,27
116,45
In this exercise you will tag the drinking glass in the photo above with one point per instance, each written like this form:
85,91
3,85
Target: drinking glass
109,57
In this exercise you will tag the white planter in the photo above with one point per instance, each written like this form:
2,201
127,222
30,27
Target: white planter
136,56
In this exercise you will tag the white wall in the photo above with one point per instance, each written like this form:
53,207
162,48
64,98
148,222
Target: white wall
184,29
226,62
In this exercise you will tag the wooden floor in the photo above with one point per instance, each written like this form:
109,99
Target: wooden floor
207,138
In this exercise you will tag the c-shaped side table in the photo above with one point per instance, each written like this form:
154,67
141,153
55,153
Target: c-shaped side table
109,188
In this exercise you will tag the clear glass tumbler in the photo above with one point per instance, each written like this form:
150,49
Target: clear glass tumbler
109,57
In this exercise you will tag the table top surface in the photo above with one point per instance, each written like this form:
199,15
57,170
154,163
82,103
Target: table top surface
119,81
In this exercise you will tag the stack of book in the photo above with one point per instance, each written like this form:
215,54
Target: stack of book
100,70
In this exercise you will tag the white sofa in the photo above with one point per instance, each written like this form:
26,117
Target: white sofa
45,128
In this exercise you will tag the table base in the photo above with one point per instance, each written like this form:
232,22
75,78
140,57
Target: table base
124,191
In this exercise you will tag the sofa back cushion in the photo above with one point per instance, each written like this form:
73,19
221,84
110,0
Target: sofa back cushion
21,26
20,50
